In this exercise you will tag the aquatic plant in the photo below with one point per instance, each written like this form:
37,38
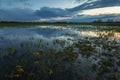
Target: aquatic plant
90,58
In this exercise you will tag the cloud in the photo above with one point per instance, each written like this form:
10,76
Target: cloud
91,10
47,12
44,14
85,12
90,18
7,4
54,19
100,11
17,15
12,1
55,15
91,4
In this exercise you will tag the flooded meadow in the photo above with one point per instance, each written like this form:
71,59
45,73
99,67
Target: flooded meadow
71,52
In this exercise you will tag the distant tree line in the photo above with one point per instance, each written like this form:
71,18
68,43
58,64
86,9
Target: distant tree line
100,22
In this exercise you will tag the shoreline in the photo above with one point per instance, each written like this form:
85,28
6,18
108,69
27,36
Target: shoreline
59,23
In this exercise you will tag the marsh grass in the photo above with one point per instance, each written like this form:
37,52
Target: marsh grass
36,61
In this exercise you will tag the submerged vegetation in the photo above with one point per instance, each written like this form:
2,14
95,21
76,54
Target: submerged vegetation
89,58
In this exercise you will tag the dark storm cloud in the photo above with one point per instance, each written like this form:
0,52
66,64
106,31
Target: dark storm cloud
90,4
47,12
31,15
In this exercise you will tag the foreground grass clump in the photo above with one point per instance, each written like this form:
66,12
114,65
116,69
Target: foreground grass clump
38,65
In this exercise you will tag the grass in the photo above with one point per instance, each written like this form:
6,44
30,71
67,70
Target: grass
78,61
47,63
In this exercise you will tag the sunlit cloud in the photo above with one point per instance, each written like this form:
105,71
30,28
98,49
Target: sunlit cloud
54,19
101,11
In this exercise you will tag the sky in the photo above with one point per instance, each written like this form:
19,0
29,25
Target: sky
59,10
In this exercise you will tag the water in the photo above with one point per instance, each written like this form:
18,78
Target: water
79,51
41,32
14,36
